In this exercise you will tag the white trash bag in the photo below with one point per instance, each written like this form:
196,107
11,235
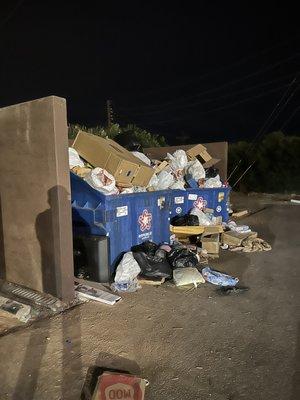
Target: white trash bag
126,274
74,159
165,180
178,159
187,276
102,181
204,220
142,157
195,169
178,185
213,182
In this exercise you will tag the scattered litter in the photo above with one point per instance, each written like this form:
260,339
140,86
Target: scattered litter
226,290
88,292
239,214
295,201
218,278
15,309
187,276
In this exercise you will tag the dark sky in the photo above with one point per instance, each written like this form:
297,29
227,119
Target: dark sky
212,72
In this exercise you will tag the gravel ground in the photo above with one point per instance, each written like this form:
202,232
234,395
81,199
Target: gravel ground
194,344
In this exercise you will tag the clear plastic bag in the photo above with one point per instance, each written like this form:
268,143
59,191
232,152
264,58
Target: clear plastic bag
195,169
203,218
165,180
178,160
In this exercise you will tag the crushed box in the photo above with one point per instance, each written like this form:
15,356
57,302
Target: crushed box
118,161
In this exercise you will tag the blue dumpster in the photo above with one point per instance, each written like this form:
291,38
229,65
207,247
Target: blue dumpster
126,220
182,201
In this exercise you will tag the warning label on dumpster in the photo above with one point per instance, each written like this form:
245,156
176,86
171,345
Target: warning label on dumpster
192,197
122,211
179,200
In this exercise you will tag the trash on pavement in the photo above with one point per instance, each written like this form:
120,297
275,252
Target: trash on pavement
15,309
226,290
187,276
181,257
126,274
153,266
89,292
239,214
218,278
235,238
119,385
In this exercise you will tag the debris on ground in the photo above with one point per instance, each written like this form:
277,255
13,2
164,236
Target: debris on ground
15,309
218,278
187,276
88,292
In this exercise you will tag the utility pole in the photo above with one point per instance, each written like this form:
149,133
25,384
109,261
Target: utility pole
109,111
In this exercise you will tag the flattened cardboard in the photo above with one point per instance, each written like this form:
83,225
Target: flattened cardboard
118,161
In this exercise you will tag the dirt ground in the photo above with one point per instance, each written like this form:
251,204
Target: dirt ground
191,345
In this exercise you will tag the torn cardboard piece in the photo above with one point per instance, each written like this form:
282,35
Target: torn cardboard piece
235,238
107,154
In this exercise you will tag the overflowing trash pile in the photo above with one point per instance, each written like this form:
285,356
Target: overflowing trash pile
111,169
157,263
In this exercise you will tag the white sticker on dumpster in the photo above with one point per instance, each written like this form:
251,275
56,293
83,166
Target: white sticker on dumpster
122,211
192,197
179,200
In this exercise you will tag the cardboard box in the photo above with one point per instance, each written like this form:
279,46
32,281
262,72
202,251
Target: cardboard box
200,151
113,385
118,161
161,166
210,242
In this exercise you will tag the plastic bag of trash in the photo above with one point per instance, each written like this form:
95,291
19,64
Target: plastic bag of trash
178,159
213,182
217,278
147,247
74,159
154,266
185,220
203,218
195,169
165,180
102,181
179,184
187,276
181,257
126,274
142,157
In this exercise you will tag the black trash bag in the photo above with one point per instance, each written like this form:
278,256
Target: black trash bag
184,220
192,220
156,266
147,247
181,257
211,172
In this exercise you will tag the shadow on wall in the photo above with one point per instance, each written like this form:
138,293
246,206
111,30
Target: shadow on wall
46,226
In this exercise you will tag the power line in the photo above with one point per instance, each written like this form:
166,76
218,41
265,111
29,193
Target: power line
260,71
264,94
290,118
265,125
230,66
182,106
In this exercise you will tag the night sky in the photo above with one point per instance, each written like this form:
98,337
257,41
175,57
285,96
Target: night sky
200,74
